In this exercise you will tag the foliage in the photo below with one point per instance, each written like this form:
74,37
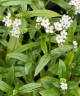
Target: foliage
32,61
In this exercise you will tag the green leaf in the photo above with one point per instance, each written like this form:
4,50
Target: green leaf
49,82
42,63
43,13
68,60
2,29
61,50
11,44
4,42
27,46
3,70
62,69
14,2
78,28
61,3
75,91
4,87
53,68
37,4
36,93
10,75
50,92
18,56
44,45
28,66
19,71
29,87
71,30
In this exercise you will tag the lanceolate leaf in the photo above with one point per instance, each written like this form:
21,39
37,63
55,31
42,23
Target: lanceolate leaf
44,45
61,3
11,44
72,30
43,13
61,69
10,75
27,46
37,4
18,56
60,51
42,63
29,87
16,2
50,92
4,87
69,58
19,71
68,61
49,81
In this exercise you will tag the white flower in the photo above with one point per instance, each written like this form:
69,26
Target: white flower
74,2
17,22
66,21
75,44
67,25
64,34
15,31
77,9
63,86
39,19
49,29
58,26
8,22
16,28
45,23
8,15
59,39
4,19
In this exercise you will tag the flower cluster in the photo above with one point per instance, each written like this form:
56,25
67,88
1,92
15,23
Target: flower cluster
63,84
7,20
45,23
61,38
75,3
66,21
15,30
61,26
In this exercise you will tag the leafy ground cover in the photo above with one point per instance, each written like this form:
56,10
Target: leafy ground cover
39,48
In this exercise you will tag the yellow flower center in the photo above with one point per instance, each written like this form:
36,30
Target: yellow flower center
63,21
49,29
64,86
75,1
9,22
57,26
16,28
45,22
63,34
17,22
39,20
59,38
78,5
66,24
